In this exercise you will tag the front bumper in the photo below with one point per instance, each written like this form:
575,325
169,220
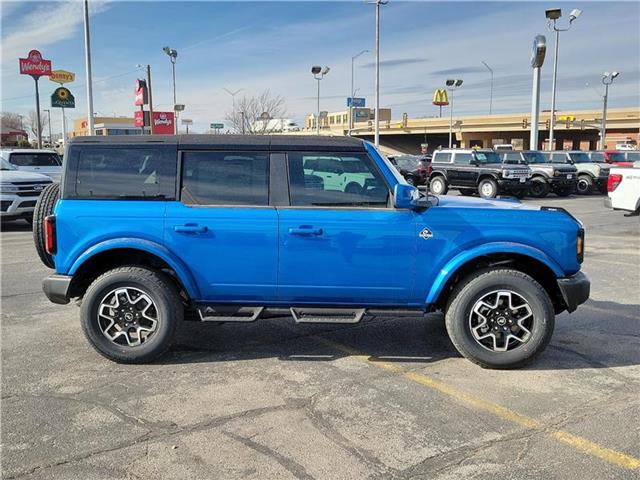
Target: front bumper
56,288
513,184
16,206
563,181
575,290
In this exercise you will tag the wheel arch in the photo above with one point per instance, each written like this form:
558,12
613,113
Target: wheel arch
529,260
439,173
112,254
486,175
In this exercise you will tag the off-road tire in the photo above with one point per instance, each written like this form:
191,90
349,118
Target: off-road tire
494,189
158,287
440,183
472,288
44,207
539,187
585,185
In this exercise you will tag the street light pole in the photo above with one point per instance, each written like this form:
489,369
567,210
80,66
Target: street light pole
353,92
49,121
376,138
233,104
553,15
87,55
607,79
318,73
173,56
451,86
490,88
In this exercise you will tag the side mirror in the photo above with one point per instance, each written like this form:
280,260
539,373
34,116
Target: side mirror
405,196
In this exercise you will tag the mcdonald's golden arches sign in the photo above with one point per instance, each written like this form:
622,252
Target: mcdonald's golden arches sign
440,97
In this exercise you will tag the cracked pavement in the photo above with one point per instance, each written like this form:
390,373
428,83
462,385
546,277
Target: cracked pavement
268,400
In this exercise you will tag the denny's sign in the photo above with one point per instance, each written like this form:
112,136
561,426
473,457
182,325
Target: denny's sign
62,76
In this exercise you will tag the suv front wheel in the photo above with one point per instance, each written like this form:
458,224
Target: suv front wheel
500,318
129,314
438,185
488,188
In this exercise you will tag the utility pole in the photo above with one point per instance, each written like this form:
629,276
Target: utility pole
149,89
376,136
537,60
490,88
87,56
353,91
49,120
607,79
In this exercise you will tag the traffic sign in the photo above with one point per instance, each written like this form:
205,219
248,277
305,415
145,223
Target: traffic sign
186,121
357,102
216,126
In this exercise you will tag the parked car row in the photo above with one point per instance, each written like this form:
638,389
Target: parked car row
24,173
518,173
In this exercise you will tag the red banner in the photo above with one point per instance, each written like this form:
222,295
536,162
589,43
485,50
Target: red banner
163,123
138,117
141,93
34,64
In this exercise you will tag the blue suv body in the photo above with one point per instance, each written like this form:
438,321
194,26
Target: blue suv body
234,228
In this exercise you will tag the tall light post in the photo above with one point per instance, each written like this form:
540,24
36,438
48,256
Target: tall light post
49,120
376,140
173,56
451,86
552,16
490,88
607,79
318,73
352,93
87,58
538,53
150,93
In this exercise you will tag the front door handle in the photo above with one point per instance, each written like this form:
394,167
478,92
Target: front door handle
305,230
190,228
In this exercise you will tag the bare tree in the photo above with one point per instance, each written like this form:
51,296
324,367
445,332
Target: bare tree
258,115
11,120
32,122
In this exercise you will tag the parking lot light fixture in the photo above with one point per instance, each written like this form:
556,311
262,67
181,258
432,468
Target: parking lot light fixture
376,136
552,16
607,79
318,73
452,84
490,87
352,92
173,56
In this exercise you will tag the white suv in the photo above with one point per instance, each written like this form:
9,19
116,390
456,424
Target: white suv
46,162
19,191
624,189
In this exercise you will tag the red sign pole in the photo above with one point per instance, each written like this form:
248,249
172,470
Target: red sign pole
36,78
36,66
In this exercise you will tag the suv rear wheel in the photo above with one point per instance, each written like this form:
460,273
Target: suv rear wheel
539,187
500,318
438,185
129,314
488,188
44,207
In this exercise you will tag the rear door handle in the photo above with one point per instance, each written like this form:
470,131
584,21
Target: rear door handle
190,228
305,230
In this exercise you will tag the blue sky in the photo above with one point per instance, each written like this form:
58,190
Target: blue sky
257,45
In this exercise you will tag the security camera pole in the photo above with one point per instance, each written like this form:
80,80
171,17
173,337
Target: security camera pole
376,122
552,16
87,54
451,86
318,73
537,59
607,79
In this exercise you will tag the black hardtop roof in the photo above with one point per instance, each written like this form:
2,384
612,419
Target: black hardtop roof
231,142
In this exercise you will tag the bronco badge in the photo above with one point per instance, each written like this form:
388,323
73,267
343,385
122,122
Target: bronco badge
426,234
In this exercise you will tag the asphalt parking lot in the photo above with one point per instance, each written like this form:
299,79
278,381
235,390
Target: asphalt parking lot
388,398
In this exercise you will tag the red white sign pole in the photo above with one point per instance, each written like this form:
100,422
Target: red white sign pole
35,66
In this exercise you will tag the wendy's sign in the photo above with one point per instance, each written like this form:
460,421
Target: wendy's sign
163,123
35,65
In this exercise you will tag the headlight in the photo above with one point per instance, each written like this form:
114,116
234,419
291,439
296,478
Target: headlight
8,188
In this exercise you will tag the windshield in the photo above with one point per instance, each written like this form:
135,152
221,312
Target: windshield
534,157
4,165
408,162
580,157
42,159
487,157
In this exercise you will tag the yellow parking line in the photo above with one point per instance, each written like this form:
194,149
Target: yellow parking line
582,444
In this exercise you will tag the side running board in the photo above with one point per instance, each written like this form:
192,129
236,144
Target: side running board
222,313
327,315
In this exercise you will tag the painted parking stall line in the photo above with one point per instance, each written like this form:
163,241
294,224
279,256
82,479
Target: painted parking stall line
578,443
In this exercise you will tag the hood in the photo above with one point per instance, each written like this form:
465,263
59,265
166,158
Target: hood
563,167
448,201
22,176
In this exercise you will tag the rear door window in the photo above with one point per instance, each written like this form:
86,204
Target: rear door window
463,158
511,158
441,157
124,173
225,178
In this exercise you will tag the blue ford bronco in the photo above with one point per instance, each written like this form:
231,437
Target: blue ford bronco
145,232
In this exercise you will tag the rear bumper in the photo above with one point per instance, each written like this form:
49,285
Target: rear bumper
575,290
56,288
607,202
